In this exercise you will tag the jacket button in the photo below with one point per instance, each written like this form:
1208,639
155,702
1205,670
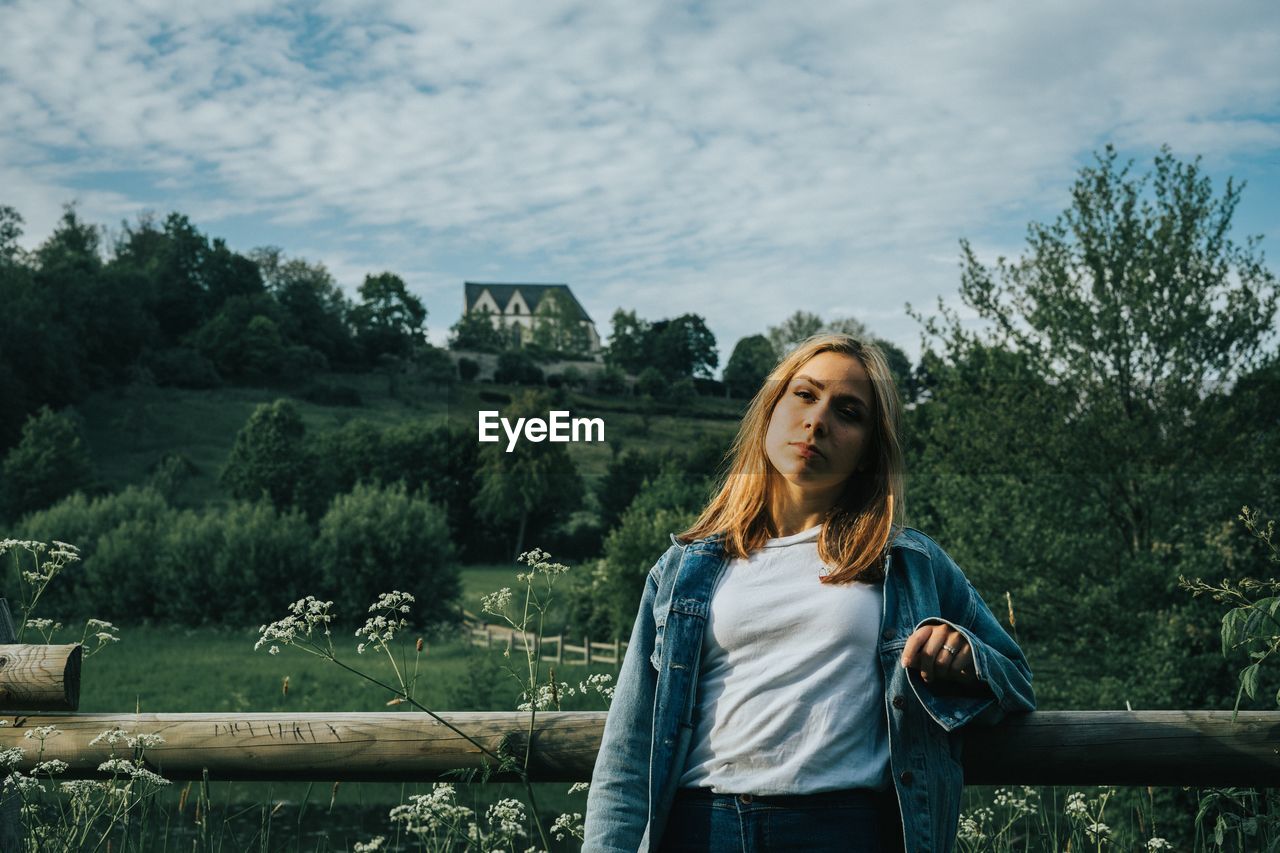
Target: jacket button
906,777
888,634
899,702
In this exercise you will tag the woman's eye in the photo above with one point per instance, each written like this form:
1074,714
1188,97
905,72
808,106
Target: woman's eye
851,414
804,395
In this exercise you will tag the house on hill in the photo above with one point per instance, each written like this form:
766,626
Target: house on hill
525,308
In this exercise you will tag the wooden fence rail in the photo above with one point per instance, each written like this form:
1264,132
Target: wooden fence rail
553,649
1203,748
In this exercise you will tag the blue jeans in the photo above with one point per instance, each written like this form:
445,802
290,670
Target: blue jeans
858,821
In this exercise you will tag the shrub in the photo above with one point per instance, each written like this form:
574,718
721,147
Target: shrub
376,540
270,460
611,381
468,369
515,367
682,390
652,383
49,462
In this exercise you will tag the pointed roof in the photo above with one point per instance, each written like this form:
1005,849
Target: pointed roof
531,292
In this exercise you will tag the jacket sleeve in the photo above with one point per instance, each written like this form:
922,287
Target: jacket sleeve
618,799
999,663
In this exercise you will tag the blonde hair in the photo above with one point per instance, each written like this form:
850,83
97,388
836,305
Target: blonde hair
859,526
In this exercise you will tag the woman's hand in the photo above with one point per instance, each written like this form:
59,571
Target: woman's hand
940,653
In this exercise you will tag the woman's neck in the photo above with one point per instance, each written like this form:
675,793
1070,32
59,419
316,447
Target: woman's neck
793,510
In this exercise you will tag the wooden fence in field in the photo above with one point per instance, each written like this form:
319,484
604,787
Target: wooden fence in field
555,649
39,687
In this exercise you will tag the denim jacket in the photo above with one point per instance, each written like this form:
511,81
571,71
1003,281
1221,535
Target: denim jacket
647,734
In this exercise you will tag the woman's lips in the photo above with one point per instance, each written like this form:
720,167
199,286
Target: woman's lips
808,451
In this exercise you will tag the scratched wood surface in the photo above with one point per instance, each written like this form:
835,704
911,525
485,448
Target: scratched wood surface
1048,747
39,678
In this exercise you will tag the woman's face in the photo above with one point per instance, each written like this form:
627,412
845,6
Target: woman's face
821,426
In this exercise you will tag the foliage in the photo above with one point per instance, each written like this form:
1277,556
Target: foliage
270,459
1082,428
476,331
182,367
651,383
48,463
516,367
611,381
468,369
753,357
243,340
558,325
627,347
529,486
682,348
314,312
376,532
389,320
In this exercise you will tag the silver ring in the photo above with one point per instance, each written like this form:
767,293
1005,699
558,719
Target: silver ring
954,652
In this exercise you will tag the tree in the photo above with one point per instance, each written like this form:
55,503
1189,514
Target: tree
557,325
790,332
270,459
627,343
389,319
534,484
10,231
753,357
682,347
48,463
1079,433
314,310
379,539
475,330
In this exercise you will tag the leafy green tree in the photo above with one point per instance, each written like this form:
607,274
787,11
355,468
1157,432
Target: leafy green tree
1078,433
243,339
389,319
314,311
651,383
270,459
476,331
623,479
628,341
380,539
533,485
791,331
557,326
10,231
682,347
753,357
48,463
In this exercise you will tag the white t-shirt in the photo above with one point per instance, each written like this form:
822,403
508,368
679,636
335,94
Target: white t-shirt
790,694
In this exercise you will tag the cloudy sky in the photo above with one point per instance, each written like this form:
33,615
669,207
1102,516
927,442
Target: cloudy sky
738,160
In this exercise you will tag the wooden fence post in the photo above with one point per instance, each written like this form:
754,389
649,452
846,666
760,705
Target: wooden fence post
11,803
586,650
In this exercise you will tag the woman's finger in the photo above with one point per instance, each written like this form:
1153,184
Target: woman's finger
915,652
948,652
963,666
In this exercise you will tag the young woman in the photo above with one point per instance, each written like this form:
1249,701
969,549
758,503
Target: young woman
801,664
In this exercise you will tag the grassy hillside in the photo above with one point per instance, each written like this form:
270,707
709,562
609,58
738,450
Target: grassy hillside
130,429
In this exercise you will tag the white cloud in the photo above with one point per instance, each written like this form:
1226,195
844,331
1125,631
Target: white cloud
737,160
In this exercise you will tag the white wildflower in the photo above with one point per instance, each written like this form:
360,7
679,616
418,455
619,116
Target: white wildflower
496,602
305,616
567,825
116,767
41,733
1076,807
52,767
579,787
506,817
111,737
1157,844
1098,832
598,683
540,561
373,844
21,783
145,741
11,756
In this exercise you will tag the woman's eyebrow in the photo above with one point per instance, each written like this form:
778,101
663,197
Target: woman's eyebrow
822,386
